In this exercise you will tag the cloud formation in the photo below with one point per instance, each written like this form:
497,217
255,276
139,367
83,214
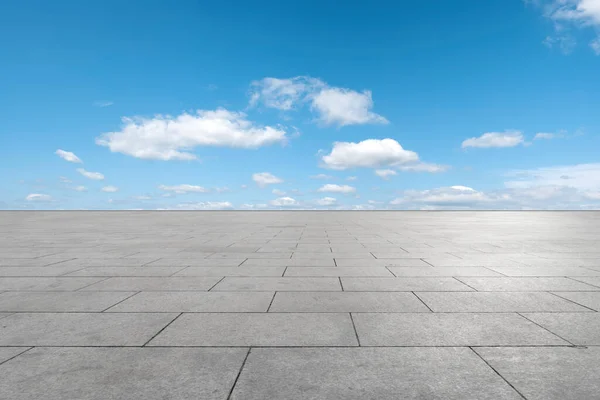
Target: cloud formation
332,105
96,176
173,138
331,188
37,197
370,153
263,179
183,189
68,156
495,139
110,189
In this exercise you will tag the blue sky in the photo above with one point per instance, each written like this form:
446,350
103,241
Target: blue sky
300,105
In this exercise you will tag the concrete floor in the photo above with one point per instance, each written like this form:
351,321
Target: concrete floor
299,305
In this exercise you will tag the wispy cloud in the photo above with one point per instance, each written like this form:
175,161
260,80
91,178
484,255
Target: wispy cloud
97,176
103,104
68,156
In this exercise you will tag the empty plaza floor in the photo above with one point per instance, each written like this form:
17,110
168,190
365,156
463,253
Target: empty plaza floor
299,305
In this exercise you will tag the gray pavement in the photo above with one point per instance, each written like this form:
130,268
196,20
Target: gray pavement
299,305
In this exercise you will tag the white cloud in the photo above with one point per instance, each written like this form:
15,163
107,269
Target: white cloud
460,196
142,197
223,189
385,173
321,176
103,103
80,189
495,139
424,167
569,16
284,202
370,153
333,105
342,107
65,179
183,189
97,176
330,188
38,197
110,189
547,136
586,12
173,138
68,156
209,205
283,94
583,177
278,192
351,178
326,201
263,179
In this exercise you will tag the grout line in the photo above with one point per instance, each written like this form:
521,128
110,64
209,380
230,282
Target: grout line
574,302
498,272
543,327
426,262
497,373
425,304
126,298
239,373
211,288
178,271
58,262
354,326
91,284
15,356
465,283
271,303
577,280
162,329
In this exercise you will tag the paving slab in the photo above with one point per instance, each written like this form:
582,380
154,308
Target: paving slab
545,271
51,270
369,373
403,284
119,373
108,262
347,302
440,329
45,283
60,301
590,280
442,271
6,353
272,284
526,284
498,302
126,271
162,284
195,302
81,329
401,262
578,328
587,299
246,329
337,271
231,271
289,262
548,373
